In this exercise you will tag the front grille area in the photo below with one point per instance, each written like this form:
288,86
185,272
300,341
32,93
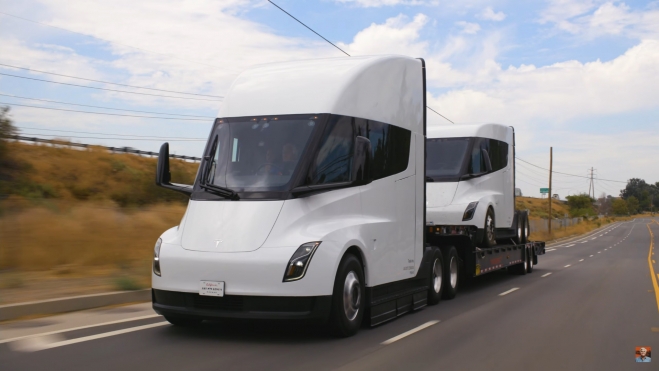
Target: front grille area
234,303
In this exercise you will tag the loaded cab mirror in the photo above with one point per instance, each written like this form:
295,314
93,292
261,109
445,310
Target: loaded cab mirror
163,175
361,165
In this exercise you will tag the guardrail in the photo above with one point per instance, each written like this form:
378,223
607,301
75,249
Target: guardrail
111,149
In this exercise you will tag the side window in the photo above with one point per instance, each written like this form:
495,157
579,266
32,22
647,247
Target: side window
498,154
333,161
390,147
476,165
503,152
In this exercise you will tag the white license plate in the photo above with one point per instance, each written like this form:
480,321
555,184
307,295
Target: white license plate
211,288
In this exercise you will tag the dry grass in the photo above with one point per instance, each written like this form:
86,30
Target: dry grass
539,208
575,230
72,238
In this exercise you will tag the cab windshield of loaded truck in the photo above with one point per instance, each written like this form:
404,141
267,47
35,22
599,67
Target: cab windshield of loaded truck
449,159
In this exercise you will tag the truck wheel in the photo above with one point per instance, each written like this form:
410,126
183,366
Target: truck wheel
519,227
451,272
183,321
522,267
436,278
489,236
529,258
348,298
527,230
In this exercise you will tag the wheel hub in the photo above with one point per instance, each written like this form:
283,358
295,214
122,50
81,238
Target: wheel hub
437,276
351,296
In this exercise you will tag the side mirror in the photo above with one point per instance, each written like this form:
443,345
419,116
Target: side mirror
486,158
361,166
164,177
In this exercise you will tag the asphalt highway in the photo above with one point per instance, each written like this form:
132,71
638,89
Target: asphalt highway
588,304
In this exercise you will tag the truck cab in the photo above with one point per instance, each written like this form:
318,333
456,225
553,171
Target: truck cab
470,178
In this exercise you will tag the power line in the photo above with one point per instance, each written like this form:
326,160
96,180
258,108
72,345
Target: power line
309,28
101,107
445,118
145,139
111,83
97,133
343,51
116,42
557,172
93,87
103,113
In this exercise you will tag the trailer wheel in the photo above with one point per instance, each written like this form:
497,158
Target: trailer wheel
348,297
527,229
489,235
435,286
183,321
529,259
522,267
451,272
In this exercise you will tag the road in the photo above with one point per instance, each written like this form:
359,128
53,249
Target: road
587,305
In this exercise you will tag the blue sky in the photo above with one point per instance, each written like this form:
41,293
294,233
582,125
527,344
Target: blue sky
581,76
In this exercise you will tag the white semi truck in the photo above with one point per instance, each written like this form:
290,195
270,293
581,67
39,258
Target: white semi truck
311,202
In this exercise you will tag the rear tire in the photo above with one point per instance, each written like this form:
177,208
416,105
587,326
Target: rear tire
521,268
348,298
451,272
519,227
529,258
436,279
183,321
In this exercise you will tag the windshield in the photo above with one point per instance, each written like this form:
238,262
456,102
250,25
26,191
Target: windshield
256,154
445,158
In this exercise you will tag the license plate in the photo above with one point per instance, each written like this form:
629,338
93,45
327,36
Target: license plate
211,288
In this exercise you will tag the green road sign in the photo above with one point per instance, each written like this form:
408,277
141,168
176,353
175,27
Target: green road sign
544,190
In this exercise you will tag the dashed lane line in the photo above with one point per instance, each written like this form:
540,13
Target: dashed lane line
94,337
546,274
509,291
567,266
79,328
581,260
408,333
592,256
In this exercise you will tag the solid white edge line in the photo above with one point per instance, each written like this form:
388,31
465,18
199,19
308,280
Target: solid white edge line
546,274
103,335
509,291
79,328
408,333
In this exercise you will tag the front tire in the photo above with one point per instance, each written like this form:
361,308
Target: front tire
489,235
348,298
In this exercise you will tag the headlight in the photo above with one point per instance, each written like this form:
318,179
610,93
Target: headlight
469,211
299,262
156,257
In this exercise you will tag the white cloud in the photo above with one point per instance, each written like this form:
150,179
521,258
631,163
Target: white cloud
398,35
490,15
592,19
469,28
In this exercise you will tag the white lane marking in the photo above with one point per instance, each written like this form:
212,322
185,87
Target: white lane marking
408,333
509,291
585,242
581,260
594,238
546,274
569,245
592,256
599,252
100,336
566,266
550,250
600,235
79,328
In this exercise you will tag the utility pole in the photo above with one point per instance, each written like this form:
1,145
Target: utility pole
551,162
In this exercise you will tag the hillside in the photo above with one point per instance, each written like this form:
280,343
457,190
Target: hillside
539,208
94,174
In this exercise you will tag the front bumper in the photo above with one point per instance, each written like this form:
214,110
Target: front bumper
172,303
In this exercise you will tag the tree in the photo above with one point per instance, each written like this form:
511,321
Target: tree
619,207
7,129
633,205
580,205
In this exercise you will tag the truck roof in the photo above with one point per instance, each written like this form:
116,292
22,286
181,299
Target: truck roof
385,88
492,131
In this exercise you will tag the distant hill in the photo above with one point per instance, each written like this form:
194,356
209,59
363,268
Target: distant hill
539,208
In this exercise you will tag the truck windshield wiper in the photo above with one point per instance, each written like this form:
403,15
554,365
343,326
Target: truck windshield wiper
221,191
